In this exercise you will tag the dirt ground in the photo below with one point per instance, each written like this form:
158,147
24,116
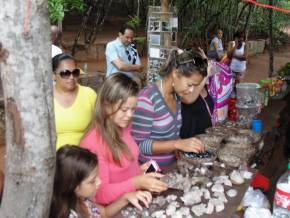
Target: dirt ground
257,68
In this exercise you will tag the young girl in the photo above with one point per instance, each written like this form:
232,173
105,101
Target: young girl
111,140
76,182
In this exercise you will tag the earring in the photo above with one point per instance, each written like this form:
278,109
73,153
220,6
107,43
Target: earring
172,84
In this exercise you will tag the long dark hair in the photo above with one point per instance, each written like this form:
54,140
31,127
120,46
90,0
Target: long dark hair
115,90
186,64
73,165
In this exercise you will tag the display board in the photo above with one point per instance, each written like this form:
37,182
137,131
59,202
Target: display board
162,30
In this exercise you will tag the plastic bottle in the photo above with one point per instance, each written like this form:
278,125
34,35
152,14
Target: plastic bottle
281,207
85,67
266,97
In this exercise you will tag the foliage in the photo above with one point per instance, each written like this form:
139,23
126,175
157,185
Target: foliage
200,19
134,21
259,23
58,8
285,70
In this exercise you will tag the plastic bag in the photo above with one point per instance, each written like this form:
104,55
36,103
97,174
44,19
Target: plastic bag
254,212
255,198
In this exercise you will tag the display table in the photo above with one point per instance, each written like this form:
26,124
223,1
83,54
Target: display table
230,207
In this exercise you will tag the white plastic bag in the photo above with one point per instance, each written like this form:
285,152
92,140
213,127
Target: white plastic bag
254,212
255,198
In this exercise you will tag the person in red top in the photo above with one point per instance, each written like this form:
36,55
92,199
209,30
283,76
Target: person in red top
110,139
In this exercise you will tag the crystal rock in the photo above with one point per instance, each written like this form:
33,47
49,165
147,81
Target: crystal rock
199,209
232,193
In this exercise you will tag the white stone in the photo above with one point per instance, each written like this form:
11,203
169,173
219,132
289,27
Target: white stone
206,194
219,207
159,214
215,201
209,184
192,197
217,188
177,214
185,211
203,170
232,193
228,182
199,209
170,210
210,208
160,201
171,198
246,174
221,196
236,177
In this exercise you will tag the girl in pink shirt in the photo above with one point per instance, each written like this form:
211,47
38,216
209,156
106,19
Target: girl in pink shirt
110,139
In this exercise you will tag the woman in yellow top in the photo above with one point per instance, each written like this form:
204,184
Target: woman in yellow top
73,103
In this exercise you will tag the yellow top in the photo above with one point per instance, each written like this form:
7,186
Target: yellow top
72,122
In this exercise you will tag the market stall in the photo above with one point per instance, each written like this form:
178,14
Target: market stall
208,184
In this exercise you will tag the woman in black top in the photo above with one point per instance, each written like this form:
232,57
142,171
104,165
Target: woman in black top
196,117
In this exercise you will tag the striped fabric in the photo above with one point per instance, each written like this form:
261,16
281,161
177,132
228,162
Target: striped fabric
154,121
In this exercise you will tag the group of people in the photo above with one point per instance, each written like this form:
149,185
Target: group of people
236,55
107,140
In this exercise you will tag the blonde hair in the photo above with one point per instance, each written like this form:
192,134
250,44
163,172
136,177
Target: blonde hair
114,92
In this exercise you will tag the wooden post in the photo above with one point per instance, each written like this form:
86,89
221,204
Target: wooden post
165,17
271,41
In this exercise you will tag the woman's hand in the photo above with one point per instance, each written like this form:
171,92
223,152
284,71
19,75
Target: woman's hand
189,145
201,52
150,182
135,197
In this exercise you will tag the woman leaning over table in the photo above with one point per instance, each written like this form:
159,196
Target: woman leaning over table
73,103
157,118
111,140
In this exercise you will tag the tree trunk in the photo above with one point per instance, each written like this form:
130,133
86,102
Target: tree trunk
30,131
271,41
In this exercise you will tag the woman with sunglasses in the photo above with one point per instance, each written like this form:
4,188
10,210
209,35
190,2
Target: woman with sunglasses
157,118
73,103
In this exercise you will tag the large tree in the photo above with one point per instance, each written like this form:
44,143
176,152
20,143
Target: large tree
25,65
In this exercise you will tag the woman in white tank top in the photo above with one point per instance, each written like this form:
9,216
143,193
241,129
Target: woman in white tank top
239,55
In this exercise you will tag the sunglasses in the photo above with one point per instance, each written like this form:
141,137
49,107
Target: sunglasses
67,73
188,57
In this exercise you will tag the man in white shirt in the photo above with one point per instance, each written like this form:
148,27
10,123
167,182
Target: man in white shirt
55,39
122,55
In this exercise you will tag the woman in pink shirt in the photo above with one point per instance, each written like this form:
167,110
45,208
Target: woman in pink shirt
110,139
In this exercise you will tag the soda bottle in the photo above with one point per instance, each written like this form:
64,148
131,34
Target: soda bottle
281,207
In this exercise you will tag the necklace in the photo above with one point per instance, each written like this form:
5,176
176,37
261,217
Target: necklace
161,87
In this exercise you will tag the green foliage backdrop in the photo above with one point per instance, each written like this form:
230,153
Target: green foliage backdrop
58,8
199,19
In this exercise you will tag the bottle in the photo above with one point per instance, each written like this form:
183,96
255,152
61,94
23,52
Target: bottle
85,67
281,207
232,110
